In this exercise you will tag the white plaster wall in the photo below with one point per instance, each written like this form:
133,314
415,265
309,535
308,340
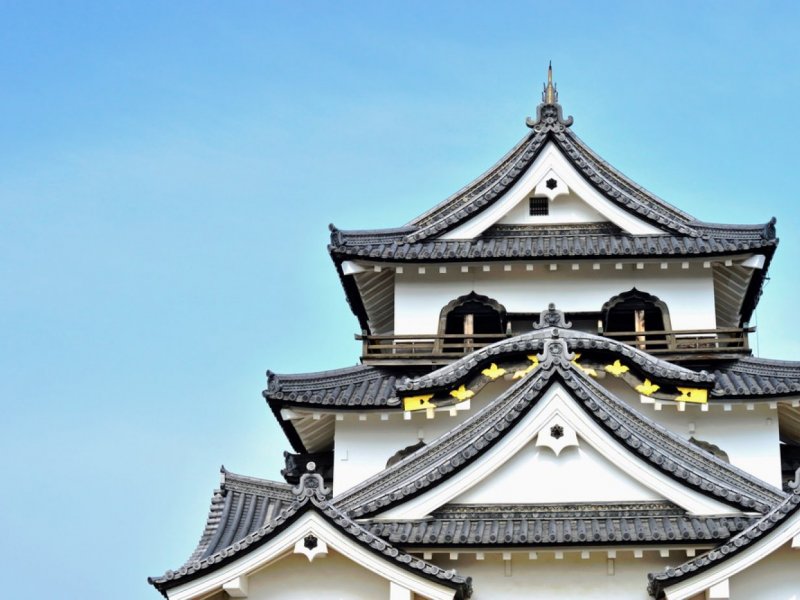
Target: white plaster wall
688,293
361,448
331,578
750,437
537,475
567,208
776,577
571,578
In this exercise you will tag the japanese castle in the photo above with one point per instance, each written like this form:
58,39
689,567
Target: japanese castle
556,399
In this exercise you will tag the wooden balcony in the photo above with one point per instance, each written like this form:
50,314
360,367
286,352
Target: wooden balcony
672,345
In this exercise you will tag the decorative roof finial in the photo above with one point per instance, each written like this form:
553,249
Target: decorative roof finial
548,113
550,93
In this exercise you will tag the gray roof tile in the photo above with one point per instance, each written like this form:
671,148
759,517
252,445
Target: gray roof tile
535,525
359,386
753,377
367,386
231,531
667,452
760,529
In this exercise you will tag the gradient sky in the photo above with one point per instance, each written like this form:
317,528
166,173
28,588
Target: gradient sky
168,171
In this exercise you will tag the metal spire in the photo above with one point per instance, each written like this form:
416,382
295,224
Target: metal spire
550,93
548,113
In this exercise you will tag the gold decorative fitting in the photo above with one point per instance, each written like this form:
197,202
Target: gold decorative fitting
462,393
534,363
550,95
418,402
588,370
647,388
692,395
616,368
493,372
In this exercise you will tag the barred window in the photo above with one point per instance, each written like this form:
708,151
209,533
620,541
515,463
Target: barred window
539,207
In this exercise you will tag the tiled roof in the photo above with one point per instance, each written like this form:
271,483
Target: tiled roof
753,377
667,452
241,534
419,239
239,507
367,386
540,243
361,386
560,525
489,187
535,341
759,530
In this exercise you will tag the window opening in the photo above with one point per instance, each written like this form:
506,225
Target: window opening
539,207
471,322
634,314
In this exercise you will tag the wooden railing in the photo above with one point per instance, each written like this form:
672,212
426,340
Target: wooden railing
685,344
438,346
725,340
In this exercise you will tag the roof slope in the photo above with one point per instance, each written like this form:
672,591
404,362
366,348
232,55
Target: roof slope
371,387
360,386
537,525
404,242
758,531
672,455
242,536
752,377
520,242
239,507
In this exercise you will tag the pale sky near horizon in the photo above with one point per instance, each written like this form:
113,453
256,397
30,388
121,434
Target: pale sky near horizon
168,171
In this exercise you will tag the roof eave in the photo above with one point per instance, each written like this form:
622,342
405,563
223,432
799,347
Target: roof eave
350,291
756,287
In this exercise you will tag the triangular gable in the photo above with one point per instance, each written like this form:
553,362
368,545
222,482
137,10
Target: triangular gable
684,465
311,526
573,199
557,427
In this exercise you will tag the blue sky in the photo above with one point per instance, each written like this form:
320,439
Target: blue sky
168,171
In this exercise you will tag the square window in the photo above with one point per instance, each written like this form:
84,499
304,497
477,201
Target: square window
539,207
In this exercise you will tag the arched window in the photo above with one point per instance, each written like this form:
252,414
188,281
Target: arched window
636,312
470,321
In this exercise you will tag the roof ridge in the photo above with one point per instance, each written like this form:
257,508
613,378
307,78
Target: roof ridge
427,217
626,181
247,482
534,341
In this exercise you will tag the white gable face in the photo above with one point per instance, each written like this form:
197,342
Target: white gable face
557,454
286,568
537,475
570,199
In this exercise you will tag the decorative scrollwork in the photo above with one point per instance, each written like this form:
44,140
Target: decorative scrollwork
549,118
552,317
